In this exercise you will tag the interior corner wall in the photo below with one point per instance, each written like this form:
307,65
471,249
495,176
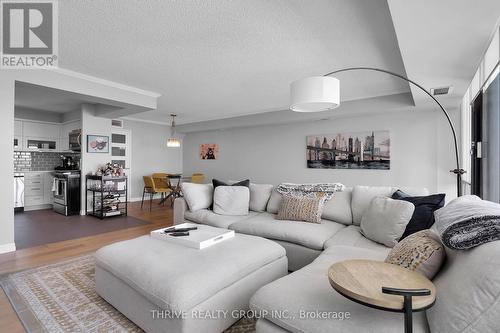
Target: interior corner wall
274,154
92,125
150,153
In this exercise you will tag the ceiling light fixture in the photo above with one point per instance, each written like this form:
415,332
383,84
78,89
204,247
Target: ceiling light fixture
173,141
322,93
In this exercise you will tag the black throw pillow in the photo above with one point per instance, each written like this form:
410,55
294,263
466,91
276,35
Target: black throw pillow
216,182
423,216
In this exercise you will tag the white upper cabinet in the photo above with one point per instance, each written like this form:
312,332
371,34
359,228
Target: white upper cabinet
41,130
18,128
65,130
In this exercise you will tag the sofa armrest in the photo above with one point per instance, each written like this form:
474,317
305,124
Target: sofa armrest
180,208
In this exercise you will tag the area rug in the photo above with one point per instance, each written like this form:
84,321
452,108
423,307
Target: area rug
62,298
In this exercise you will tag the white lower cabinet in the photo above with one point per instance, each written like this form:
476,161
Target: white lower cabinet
38,190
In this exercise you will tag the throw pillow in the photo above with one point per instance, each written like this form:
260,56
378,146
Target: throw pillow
385,220
231,200
301,208
216,182
197,196
423,216
421,252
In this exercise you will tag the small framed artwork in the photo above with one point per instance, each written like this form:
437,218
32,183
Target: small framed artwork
97,144
209,151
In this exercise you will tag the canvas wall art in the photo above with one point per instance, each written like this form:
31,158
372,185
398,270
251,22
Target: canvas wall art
357,150
97,144
209,151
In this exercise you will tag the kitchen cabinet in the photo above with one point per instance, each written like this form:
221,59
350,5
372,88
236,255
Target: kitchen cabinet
18,128
41,143
65,130
41,130
38,190
18,142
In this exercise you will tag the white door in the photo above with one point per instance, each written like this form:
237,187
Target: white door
121,152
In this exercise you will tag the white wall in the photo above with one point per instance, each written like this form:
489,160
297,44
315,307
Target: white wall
275,154
150,153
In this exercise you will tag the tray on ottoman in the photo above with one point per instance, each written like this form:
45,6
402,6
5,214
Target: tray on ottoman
166,287
201,238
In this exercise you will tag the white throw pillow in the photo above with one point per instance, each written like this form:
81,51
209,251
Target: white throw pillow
338,208
385,220
231,200
362,196
274,203
197,196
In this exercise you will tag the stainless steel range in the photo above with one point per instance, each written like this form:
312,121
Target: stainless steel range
67,192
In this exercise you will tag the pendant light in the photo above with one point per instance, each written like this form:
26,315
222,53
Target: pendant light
173,141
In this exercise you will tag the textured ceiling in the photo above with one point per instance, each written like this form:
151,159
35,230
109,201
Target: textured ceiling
220,58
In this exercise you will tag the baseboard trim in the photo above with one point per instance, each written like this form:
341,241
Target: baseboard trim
9,247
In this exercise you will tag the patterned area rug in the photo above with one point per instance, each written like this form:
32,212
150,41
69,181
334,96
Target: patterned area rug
62,298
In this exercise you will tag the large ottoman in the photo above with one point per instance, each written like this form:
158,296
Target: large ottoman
165,287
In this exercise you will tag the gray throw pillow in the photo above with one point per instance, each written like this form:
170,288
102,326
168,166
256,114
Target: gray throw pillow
385,220
301,208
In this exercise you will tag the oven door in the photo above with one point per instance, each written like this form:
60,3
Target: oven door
61,190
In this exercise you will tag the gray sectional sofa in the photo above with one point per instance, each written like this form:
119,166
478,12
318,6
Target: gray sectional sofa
468,286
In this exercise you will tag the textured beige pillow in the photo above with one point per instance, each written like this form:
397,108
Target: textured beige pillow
301,208
421,252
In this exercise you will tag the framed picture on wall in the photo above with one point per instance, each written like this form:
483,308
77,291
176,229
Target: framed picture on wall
97,144
209,151
356,150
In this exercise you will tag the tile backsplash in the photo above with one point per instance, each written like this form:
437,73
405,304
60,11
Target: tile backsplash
39,161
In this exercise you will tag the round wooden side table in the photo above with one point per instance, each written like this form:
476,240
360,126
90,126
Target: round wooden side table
383,286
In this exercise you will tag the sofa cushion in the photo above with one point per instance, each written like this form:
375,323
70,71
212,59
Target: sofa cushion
338,208
362,197
386,219
351,236
311,235
259,196
165,272
468,291
309,290
274,202
231,200
198,196
206,216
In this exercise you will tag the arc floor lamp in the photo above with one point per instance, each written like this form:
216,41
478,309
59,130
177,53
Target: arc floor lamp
322,93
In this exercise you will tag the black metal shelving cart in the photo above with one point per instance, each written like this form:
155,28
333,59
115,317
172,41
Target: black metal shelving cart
107,195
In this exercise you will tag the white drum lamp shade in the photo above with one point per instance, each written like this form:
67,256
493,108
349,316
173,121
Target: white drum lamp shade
314,94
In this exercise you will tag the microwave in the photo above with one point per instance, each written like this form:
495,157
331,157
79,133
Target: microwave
75,140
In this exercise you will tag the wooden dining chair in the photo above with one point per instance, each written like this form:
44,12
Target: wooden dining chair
197,178
151,188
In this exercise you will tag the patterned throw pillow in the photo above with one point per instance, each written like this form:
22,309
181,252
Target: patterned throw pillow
421,252
302,208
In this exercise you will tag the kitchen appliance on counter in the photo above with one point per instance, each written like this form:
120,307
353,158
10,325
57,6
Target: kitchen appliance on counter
68,163
67,192
75,140
18,192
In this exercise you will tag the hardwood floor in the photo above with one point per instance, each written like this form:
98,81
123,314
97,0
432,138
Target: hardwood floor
160,216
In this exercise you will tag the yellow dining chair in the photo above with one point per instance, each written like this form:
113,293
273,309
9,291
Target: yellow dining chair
151,188
197,178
